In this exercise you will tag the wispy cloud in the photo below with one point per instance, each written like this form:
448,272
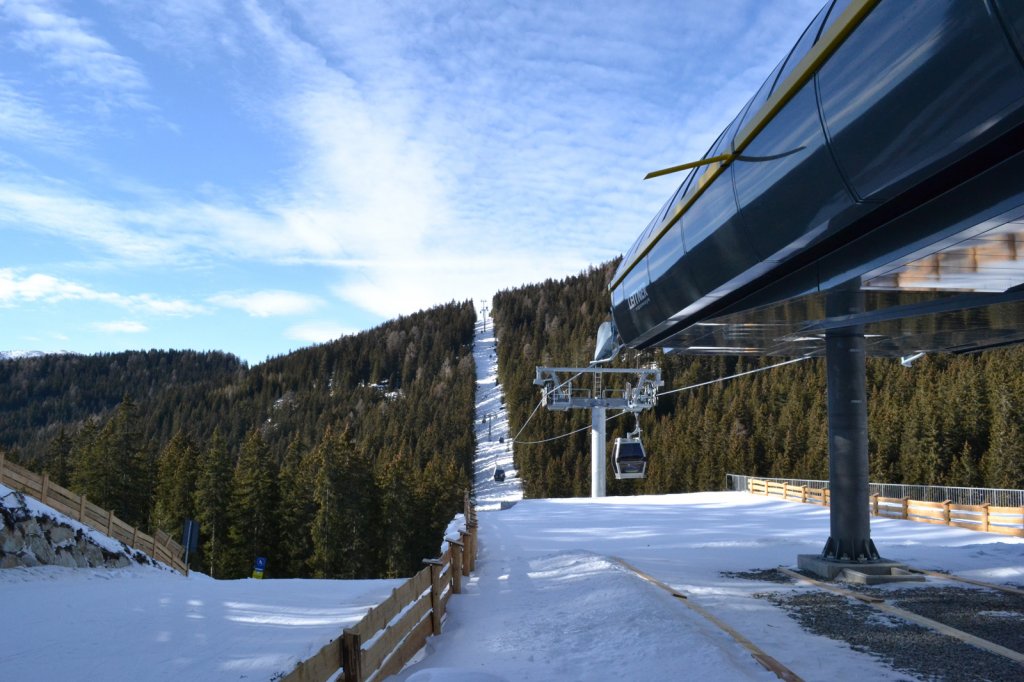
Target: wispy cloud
69,46
25,119
317,332
269,303
121,327
434,150
16,289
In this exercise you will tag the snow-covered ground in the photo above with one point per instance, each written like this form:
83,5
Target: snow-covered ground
493,445
148,624
548,600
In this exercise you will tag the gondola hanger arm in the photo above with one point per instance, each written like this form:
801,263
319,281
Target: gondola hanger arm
685,166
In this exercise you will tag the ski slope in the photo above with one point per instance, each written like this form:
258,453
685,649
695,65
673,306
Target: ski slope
549,600
491,427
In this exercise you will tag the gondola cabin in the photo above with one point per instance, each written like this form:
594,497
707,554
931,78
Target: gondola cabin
629,458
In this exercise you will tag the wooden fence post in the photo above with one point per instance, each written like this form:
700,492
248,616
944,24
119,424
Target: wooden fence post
945,511
46,488
81,508
351,655
824,497
473,547
456,548
905,512
435,595
110,522
465,553
803,494
984,516
874,504
135,538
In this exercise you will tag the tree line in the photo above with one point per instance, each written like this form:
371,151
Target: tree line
342,460
947,420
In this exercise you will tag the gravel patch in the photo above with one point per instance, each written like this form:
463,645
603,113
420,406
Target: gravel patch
995,616
908,648
768,575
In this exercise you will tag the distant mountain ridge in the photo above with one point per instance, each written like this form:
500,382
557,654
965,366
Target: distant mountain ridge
20,354
25,354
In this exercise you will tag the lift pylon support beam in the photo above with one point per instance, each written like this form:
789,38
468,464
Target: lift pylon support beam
561,392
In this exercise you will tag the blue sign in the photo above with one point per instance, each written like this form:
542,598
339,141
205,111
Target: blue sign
259,567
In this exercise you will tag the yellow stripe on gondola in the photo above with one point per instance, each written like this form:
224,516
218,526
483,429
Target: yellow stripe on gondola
685,166
826,46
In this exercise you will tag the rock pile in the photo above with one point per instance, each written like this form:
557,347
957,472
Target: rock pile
30,539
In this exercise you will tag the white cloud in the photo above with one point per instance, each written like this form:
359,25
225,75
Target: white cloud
122,327
437,150
68,45
269,303
16,289
317,332
25,119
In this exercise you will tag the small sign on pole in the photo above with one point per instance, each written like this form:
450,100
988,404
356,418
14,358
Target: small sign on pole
259,567
190,538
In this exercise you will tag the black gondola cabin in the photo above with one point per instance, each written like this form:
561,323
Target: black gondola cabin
629,458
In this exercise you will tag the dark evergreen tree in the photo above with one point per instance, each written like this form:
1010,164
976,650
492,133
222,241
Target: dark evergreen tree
253,506
212,501
345,499
176,482
58,459
295,482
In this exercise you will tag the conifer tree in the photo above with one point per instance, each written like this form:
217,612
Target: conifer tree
295,485
1004,462
91,468
133,466
253,506
175,487
397,518
58,459
112,467
328,529
346,502
212,499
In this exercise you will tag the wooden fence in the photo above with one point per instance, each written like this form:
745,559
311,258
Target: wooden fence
981,517
391,633
161,547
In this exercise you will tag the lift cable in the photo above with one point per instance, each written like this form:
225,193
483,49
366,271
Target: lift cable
675,390
541,402
565,435
735,376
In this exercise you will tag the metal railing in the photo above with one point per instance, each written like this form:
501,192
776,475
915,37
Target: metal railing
999,497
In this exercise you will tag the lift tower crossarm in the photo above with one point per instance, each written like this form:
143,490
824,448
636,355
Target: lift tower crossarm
559,394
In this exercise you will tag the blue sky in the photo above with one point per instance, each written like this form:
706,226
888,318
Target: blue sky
256,177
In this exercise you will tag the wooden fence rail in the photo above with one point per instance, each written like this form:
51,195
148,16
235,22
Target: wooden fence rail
161,546
391,633
980,517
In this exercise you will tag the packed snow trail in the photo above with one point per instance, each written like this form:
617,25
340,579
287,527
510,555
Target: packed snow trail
548,602
493,445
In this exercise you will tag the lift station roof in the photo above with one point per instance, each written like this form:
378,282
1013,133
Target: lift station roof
883,156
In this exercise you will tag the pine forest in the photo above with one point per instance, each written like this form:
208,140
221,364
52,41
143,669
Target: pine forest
343,460
946,420
347,459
